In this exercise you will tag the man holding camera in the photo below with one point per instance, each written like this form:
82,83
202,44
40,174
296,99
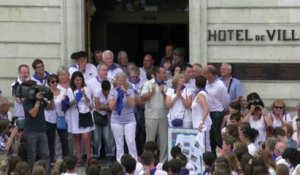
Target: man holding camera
35,125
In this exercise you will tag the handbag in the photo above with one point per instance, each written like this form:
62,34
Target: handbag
85,120
178,121
101,120
61,122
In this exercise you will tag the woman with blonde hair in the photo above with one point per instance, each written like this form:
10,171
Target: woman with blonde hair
121,101
279,114
179,100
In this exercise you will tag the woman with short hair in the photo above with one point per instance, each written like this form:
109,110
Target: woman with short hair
122,102
179,100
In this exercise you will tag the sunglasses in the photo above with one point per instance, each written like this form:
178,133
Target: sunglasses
55,81
278,107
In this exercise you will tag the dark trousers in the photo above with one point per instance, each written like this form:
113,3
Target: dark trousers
37,142
140,137
215,131
63,136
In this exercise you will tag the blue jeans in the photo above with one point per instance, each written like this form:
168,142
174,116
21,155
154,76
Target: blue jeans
105,132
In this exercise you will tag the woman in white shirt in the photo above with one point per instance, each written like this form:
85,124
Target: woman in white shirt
51,119
279,115
200,115
257,117
179,100
80,121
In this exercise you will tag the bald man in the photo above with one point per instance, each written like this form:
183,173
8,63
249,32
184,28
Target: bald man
280,147
233,85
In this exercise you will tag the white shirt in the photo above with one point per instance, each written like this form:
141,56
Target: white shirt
157,172
112,73
218,94
276,121
143,74
155,107
178,110
102,100
252,149
294,123
94,85
260,126
44,80
197,111
50,115
18,107
89,73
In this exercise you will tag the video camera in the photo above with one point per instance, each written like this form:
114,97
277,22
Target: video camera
15,121
29,89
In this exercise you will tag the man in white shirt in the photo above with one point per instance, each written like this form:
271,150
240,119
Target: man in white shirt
23,75
94,84
40,76
123,60
156,122
280,147
218,104
148,62
95,87
113,69
88,70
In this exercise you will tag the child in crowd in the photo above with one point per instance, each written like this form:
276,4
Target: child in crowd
70,164
208,159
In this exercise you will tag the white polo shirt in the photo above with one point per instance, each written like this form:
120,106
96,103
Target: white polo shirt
89,73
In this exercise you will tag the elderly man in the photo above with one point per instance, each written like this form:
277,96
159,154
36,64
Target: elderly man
95,87
218,103
88,70
156,122
197,70
148,62
280,147
233,85
123,60
113,69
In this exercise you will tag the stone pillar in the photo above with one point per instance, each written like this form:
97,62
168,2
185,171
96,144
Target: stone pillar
72,32
198,31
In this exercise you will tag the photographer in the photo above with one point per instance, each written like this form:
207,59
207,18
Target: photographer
6,138
35,125
257,117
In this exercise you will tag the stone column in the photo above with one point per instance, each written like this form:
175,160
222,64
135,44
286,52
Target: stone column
198,31
72,32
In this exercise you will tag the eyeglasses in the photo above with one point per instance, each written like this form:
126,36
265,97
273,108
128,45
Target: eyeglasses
135,77
55,81
278,107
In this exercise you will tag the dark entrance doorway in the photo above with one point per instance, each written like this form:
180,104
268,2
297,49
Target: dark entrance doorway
139,28
139,39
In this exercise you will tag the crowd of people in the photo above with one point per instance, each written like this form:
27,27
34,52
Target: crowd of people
92,106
